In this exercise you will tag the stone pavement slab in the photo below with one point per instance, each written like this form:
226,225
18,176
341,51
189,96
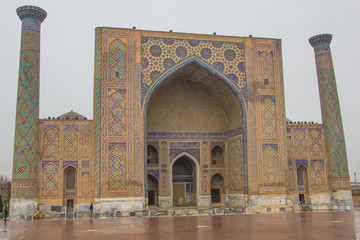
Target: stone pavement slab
305,225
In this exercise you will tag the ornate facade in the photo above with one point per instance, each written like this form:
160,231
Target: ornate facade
179,120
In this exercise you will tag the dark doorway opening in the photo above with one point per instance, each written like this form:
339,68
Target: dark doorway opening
151,196
184,187
215,195
70,205
152,190
302,198
302,183
217,187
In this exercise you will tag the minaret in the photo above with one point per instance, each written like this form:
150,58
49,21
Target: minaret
331,115
24,178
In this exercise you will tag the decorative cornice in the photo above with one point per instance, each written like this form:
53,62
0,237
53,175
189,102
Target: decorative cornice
320,40
31,12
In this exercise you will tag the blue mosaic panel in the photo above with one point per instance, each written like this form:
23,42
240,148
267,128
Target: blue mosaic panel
154,172
303,162
195,152
70,163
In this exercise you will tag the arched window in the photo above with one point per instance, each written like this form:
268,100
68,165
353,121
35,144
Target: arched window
217,156
70,178
300,176
152,155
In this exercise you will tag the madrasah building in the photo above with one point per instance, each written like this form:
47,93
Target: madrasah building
181,121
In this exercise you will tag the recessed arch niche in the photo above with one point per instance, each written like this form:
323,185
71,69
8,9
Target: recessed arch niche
194,102
192,99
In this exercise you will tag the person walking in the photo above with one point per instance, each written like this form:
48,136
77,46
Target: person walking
6,214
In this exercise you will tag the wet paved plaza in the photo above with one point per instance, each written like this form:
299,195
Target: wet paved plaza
306,225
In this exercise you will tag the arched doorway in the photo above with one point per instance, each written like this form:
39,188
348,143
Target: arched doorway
217,188
184,184
152,190
69,188
302,182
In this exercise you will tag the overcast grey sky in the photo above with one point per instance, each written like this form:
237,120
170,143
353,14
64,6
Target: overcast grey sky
67,51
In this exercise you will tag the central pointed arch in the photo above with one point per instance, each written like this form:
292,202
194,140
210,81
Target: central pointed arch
219,76
206,66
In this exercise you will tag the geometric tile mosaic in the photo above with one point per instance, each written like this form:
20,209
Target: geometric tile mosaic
315,142
235,165
333,123
299,141
270,164
117,61
70,142
117,167
268,116
51,142
161,54
50,184
266,69
317,175
117,113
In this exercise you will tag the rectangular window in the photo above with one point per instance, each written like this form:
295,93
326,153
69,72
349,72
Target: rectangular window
85,164
188,187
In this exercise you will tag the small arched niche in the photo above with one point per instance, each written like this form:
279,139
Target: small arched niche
217,156
152,155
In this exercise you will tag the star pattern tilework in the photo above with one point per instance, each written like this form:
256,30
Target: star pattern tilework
160,55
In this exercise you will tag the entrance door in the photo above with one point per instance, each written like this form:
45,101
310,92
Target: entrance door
152,190
70,188
302,183
151,197
301,198
70,205
184,182
215,195
69,208
217,186
179,194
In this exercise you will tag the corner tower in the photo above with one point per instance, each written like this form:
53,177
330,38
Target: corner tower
24,176
331,115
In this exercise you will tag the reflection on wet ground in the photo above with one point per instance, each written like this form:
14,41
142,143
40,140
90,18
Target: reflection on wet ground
307,225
